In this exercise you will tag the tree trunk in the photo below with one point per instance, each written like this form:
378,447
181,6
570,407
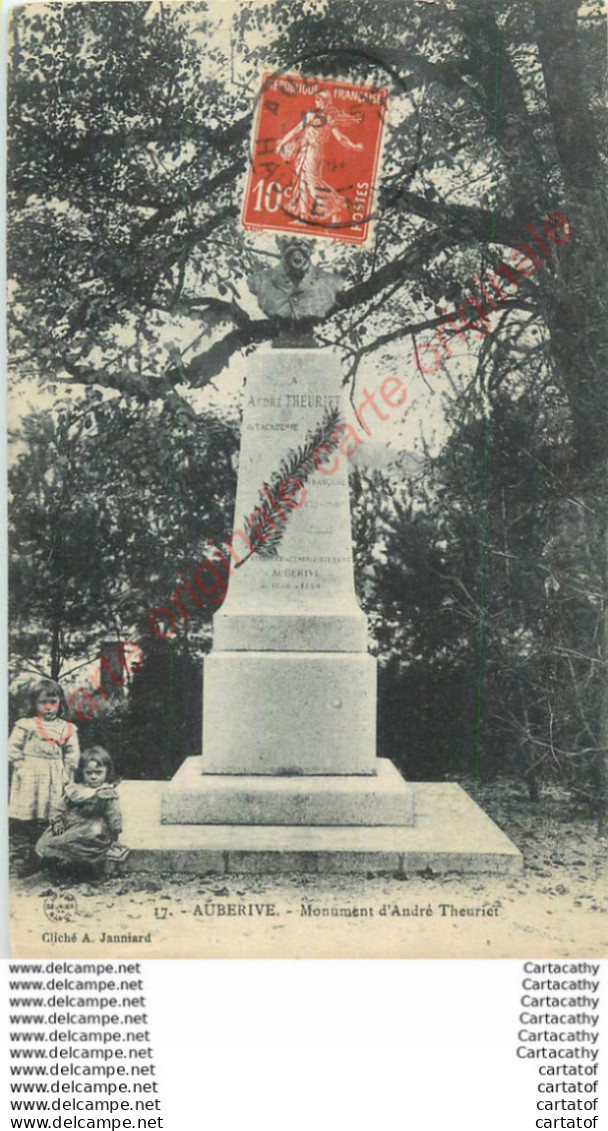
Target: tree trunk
578,307
602,753
57,597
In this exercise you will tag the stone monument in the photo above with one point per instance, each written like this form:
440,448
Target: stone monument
289,709
289,779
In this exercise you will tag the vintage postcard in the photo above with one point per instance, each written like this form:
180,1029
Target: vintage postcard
308,449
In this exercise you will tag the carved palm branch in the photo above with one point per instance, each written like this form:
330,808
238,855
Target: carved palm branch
298,464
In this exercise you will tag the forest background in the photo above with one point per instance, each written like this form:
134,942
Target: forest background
481,558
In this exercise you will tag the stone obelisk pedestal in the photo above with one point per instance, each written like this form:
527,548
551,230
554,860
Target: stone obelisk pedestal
289,780
289,711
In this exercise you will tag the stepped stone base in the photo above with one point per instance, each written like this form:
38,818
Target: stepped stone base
194,798
451,834
289,713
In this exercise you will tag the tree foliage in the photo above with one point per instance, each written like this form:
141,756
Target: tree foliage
129,144
483,626
129,129
110,503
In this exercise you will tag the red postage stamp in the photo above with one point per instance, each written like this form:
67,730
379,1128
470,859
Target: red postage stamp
315,156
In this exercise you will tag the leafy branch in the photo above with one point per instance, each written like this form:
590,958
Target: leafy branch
298,464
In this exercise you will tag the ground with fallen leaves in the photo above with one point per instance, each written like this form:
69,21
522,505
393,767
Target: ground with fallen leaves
557,907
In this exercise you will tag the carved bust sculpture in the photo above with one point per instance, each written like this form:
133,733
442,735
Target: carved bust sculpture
295,293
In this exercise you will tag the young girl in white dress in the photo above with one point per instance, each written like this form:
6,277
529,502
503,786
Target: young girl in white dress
43,751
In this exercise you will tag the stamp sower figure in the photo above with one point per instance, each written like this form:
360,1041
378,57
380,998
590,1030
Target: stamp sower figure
88,820
43,751
311,198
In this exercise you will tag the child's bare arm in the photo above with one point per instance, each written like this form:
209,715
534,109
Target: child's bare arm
71,750
16,743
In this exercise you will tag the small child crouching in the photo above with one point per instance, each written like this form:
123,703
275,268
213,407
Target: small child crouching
87,823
